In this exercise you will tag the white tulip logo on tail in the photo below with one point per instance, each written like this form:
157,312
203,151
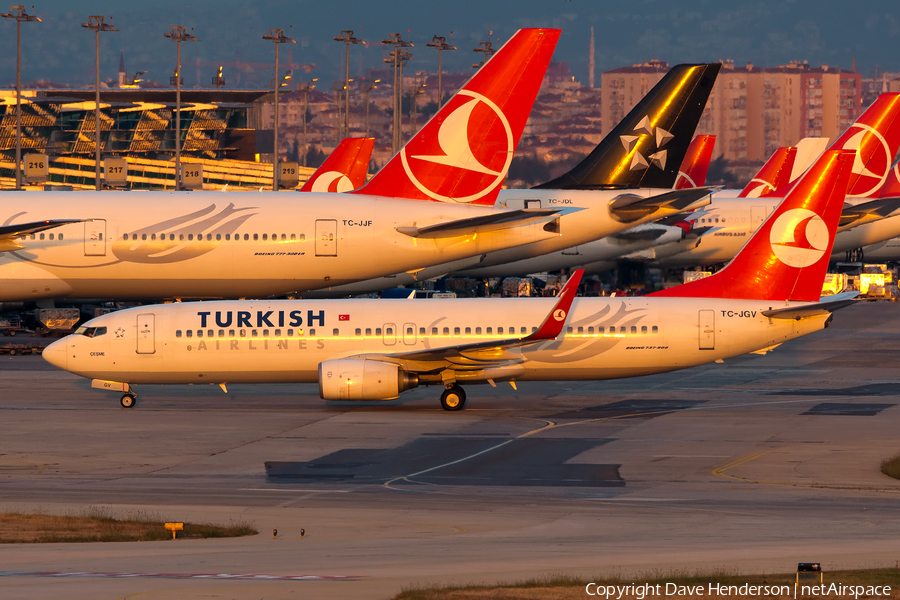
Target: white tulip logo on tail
799,238
870,175
484,166
332,181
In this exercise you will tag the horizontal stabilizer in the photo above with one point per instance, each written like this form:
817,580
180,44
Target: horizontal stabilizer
628,207
9,233
646,233
492,222
826,305
868,211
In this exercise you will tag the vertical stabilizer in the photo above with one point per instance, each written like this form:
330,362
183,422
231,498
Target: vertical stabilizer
345,169
787,257
695,165
463,153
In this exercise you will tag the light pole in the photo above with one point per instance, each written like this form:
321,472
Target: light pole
485,48
440,42
396,57
348,38
96,23
277,36
402,59
179,34
17,12
417,91
366,87
338,88
305,86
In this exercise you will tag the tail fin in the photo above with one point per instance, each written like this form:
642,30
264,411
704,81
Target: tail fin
774,176
787,257
695,165
891,187
345,169
463,153
648,146
875,136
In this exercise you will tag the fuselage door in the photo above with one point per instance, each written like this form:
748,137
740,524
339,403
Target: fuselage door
757,216
146,333
707,330
409,334
95,237
390,334
326,237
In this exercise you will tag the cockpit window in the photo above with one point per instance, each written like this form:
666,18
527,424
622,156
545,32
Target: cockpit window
90,331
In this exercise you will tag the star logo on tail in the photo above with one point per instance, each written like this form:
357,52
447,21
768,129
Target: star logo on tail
658,158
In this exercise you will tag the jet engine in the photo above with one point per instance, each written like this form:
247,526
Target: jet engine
363,379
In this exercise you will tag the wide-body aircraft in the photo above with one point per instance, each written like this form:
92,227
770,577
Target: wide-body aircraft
377,349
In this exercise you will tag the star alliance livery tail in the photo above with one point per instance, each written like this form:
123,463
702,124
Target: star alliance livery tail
787,257
695,166
345,169
463,153
647,147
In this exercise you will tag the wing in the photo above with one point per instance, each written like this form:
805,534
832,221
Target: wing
494,353
9,233
491,222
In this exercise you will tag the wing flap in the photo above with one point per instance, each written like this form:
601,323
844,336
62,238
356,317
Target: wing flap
629,207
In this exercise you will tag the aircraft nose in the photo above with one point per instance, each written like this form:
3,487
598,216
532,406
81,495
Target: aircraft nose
56,353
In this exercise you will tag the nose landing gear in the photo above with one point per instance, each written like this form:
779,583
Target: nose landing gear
453,398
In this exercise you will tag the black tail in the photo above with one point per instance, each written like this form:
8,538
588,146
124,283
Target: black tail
647,147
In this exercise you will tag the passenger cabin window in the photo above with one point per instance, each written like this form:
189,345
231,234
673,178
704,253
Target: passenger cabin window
231,333
655,329
490,330
277,333
456,331
421,331
335,332
634,329
468,331
358,331
368,331
378,331
581,330
389,330
478,331
178,333
643,329
499,331
446,331
568,330
312,333
189,333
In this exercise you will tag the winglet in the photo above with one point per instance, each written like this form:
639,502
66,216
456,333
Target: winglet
556,320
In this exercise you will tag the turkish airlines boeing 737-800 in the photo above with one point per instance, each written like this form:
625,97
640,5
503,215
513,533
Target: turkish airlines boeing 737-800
376,349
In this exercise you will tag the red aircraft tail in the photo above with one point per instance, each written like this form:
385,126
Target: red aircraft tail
463,153
891,187
787,257
876,138
695,165
345,169
774,177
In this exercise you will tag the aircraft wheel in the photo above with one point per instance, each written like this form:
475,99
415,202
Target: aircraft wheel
12,352
128,400
453,398
11,333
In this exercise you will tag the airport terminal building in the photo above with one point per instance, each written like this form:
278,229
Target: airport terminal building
217,131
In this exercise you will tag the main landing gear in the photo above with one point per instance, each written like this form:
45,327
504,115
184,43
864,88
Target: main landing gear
128,400
453,398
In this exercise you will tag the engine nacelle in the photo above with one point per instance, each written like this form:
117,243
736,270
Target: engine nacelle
363,379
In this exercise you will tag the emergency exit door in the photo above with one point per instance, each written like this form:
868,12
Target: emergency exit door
95,237
707,330
146,334
326,237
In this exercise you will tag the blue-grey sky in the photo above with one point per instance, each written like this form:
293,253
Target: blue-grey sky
765,32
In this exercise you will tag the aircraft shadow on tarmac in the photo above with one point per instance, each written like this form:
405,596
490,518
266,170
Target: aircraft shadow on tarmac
518,462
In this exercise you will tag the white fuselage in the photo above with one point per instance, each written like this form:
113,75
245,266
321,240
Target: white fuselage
184,244
234,245
285,340
733,221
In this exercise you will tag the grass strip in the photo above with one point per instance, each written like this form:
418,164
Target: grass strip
99,525
564,587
